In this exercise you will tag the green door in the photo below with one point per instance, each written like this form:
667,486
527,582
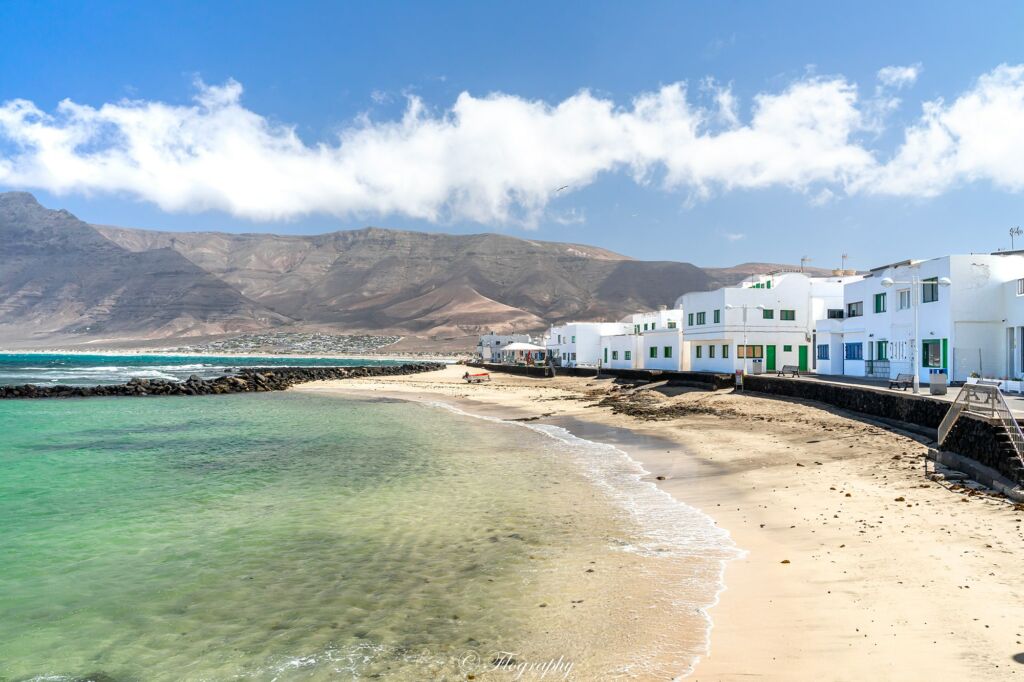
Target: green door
769,358
803,358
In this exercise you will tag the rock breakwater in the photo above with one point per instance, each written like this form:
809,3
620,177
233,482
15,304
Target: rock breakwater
247,380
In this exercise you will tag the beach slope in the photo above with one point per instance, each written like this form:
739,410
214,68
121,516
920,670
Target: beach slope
857,566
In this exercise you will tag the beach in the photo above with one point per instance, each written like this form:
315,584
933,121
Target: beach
855,565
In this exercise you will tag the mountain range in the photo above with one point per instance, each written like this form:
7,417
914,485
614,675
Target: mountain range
64,279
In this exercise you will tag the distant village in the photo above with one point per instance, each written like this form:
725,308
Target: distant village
947,319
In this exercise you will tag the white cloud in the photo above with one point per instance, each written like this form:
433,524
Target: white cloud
899,76
977,137
734,236
822,198
501,158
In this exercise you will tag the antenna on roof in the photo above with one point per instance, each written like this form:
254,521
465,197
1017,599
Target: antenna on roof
1015,232
804,261
846,258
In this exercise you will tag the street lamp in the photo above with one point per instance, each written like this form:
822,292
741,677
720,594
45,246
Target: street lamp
915,285
744,307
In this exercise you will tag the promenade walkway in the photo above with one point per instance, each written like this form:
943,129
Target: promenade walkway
1014,401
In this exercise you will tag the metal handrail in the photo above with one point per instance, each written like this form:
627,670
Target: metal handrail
985,401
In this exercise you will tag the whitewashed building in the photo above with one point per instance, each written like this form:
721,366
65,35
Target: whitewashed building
970,320
579,343
489,346
650,340
761,324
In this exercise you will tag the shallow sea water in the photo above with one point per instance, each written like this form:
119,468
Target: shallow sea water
288,536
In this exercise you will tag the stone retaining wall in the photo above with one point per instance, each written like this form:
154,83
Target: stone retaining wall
977,439
701,379
249,379
971,437
898,405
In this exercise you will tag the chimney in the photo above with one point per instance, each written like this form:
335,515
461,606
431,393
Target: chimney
662,307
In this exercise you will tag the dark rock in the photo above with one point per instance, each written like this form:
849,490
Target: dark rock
245,380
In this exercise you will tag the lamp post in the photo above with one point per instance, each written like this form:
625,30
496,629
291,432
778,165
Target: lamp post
744,307
915,283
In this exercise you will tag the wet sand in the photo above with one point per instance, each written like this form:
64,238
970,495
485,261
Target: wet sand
857,566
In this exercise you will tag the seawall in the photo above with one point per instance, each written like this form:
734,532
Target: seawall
973,437
709,380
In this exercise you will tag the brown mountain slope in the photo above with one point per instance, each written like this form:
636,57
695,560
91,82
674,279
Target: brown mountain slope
376,279
58,275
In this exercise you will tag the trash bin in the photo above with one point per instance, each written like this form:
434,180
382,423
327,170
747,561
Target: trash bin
938,381
756,366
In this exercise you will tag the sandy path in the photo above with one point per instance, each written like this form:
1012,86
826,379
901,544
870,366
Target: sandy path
858,567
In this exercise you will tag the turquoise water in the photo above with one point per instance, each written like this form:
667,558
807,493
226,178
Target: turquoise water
292,536
90,370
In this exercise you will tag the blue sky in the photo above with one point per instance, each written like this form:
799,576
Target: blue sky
336,73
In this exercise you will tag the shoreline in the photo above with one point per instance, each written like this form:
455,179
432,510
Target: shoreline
826,590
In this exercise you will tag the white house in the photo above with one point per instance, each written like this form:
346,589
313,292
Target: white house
968,316
651,340
623,351
489,346
579,343
761,324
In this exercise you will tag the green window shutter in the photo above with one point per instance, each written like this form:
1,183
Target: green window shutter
725,350
718,316
668,351
653,352
606,355
768,314
629,355
689,320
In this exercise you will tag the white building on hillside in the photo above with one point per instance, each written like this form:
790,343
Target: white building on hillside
970,318
651,340
579,343
489,346
764,322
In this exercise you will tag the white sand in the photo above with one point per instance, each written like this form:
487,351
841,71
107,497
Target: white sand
930,587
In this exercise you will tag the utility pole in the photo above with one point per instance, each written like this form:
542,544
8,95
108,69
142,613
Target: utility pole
1015,232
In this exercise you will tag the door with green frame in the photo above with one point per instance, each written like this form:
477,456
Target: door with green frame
803,358
769,358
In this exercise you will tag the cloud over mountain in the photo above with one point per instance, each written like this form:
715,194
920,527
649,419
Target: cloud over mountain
500,158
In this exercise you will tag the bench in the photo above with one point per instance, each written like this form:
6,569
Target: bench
902,381
476,378
788,369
